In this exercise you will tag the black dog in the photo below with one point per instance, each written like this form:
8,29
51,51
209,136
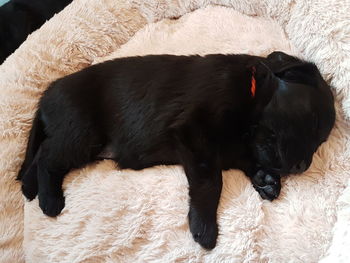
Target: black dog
19,18
265,116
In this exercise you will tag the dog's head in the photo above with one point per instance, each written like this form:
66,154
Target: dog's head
296,113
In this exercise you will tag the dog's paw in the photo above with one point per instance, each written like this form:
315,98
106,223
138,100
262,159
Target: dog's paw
51,205
267,184
29,192
203,229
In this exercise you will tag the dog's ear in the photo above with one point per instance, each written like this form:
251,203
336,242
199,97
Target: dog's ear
281,57
293,69
266,85
268,75
279,62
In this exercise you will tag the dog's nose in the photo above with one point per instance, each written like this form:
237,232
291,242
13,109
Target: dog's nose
299,168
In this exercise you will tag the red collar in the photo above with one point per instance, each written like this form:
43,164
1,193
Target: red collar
253,83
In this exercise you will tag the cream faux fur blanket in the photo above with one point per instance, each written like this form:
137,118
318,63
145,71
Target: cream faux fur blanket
128,216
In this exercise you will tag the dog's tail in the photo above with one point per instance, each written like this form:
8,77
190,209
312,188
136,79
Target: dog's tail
36,137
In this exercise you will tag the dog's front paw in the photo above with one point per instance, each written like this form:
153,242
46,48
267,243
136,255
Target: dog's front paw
204,229
50,204
267,184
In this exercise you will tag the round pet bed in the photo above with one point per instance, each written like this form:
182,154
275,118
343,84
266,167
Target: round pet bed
116,215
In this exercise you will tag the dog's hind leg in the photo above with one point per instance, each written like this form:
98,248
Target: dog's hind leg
28,172
60,154
30,180
36,137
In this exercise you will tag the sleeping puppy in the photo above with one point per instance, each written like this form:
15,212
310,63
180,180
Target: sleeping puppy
264,116
19,18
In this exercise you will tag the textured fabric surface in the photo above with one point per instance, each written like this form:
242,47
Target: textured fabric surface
127,216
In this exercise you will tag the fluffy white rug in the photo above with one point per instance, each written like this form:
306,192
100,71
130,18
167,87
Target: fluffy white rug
127,216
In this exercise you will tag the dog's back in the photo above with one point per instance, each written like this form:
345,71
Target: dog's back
136,103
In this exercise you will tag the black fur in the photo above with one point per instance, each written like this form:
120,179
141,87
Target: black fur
190,110
19,18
